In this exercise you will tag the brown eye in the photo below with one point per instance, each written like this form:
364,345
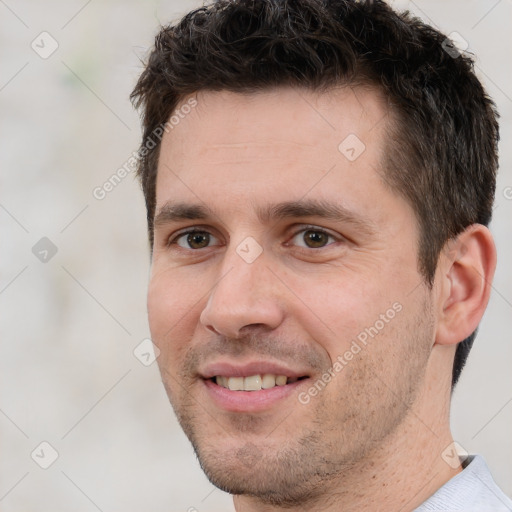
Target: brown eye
313,239
195,240
198,240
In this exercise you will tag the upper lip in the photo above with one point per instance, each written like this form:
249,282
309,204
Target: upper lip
231,369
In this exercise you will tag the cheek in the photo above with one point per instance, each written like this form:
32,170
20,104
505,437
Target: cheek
334,309
173,312
348,310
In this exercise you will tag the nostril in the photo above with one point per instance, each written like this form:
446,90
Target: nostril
252,327
212,329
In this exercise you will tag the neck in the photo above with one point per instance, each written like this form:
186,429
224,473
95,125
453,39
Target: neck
404,471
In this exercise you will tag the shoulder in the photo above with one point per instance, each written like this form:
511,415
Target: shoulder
472,490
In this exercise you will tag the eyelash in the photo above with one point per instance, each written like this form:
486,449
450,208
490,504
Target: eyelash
174,240
316,229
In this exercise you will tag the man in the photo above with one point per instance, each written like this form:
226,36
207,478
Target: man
318,177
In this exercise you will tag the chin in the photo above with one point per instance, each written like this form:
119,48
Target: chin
251,471
272,470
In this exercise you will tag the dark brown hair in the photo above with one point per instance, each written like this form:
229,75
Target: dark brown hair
442,152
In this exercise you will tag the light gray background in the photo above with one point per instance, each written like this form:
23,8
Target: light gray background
69,326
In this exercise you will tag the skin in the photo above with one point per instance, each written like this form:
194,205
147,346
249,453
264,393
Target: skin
373,437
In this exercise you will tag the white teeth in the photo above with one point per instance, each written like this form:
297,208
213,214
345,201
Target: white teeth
223,381
253,382
281,380
268,381
236,383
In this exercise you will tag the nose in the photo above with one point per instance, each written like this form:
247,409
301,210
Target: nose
245,295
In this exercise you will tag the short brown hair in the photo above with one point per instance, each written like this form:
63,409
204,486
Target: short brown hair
442,154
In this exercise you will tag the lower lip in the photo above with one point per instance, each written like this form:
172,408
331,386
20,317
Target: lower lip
250,401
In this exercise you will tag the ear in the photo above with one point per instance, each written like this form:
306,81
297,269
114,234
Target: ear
465,272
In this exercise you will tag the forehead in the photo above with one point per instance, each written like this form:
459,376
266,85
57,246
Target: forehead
297,116
267,145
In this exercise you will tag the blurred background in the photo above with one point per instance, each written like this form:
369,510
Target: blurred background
78,395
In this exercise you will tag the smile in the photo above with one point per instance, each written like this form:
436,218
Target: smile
254,382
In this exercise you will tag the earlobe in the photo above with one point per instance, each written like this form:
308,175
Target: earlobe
465,270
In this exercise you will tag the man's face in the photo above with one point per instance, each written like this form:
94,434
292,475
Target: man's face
293,325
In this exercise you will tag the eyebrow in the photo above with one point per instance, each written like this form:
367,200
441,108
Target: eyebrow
315,208
173,212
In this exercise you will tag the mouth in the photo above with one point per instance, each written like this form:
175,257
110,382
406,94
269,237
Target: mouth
252,387
254,382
